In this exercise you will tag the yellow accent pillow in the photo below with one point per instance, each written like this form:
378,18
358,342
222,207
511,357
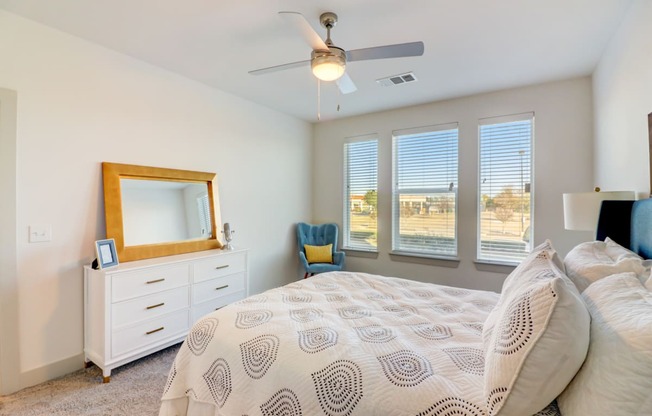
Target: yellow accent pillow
319,254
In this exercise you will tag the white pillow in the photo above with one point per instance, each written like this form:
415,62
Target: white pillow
538,259
594,260
616,378
540,338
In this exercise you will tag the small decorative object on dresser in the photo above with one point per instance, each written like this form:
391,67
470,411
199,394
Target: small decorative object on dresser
141,307
228,236
106,254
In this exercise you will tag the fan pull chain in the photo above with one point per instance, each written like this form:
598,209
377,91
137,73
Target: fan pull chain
339,99
318,99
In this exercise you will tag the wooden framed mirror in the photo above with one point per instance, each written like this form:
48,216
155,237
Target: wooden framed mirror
156,212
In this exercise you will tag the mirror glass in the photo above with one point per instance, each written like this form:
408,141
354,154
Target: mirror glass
155,211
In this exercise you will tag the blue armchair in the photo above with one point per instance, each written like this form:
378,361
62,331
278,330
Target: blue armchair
319,235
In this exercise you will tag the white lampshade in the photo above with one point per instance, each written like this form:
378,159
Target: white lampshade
581,210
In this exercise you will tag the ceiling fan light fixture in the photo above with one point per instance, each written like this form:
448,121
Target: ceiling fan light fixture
328,65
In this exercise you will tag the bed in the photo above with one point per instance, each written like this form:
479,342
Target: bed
345,343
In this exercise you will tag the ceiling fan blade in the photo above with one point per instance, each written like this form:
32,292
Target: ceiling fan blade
388,51
345,84
282,67
309,34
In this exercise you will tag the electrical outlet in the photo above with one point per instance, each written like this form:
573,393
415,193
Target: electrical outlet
40,233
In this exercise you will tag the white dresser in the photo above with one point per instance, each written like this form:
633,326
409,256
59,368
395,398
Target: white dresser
141,307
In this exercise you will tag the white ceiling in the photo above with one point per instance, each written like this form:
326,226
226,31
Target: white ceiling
471,46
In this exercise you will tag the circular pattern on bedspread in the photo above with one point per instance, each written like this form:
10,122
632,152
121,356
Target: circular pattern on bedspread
516,329
401,310
339,387
431,331
452,406
379,296
336,297
259,354
474,326
283,403
201,335
375,333
446,308
469,360
305,314
218,379
297,298
455,291
250,319
317,339
326,285
353,312
405,368
422,293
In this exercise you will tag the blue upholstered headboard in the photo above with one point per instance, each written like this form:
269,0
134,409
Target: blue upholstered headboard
629,223
641,238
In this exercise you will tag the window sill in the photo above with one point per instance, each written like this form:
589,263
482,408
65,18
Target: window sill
368,254
495,266
441,261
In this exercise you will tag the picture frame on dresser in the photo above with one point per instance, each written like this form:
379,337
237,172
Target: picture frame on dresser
106,253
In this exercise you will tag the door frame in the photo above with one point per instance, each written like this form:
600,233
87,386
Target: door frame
9,340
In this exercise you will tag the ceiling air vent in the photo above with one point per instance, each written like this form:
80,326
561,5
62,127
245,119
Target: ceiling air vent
397,79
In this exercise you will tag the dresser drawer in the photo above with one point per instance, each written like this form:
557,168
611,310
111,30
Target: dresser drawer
151,306
218,266
205,308
149,333
145,282
215,288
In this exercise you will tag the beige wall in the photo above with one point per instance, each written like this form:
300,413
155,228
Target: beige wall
622,85
563,163
80,104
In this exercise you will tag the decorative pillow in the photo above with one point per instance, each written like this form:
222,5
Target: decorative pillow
539,258
594,260
616,378
540,338
319,254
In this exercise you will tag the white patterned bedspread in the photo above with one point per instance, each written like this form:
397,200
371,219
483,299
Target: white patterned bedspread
337,344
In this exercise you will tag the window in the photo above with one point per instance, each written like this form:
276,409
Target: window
505,190
424,196
361,194
204,215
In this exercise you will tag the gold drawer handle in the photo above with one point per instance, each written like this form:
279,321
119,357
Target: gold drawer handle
222,287
154,330
155,306
221,267
155,281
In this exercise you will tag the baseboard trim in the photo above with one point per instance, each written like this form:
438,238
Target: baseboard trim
50,371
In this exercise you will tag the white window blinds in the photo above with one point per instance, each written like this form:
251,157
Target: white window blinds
505,191
360,194
425,169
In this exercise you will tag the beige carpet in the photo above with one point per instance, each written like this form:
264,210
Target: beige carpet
135,389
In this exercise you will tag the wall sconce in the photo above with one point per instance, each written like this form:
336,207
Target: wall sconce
581,210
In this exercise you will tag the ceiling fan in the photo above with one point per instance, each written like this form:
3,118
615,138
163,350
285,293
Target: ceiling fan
328,61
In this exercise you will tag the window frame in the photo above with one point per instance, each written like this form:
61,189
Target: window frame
395,219
495,121
346,220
